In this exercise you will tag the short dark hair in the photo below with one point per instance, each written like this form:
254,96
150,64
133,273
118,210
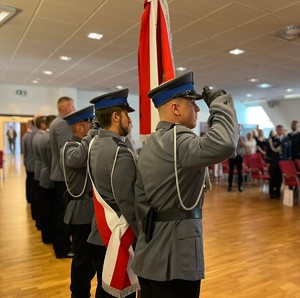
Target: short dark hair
49,119
64,99
39,120
104,116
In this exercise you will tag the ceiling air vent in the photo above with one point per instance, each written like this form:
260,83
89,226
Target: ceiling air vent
289,33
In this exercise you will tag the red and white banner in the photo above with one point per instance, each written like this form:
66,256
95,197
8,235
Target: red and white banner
155,57
118,278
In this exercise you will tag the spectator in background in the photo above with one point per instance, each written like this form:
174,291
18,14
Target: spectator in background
271,134
294,137
261,144
254,134
250,144
237,162
11,136
278,149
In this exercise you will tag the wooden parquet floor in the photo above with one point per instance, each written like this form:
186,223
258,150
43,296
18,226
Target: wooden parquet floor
252,245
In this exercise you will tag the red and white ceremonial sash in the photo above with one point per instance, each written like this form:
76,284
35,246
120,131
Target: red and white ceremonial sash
118,278
155,59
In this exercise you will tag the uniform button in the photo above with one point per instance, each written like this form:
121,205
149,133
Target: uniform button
226,102
196,230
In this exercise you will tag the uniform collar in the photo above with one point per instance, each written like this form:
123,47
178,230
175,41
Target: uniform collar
75,138
165,125
108,133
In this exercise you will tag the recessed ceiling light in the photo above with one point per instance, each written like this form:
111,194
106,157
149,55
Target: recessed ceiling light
253,80
6,12
292,96
48,72
119,87
289,90
249,95
180,68
35,81
264,86
237,52
65,58
211,87
94,35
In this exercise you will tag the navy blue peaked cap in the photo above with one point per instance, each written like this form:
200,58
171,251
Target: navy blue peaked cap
86,114
182,86
112,99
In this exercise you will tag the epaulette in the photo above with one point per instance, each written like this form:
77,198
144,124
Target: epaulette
119,142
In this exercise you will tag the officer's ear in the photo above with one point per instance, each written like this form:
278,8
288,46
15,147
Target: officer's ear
115,117
174,107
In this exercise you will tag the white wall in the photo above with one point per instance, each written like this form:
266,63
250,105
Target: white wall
42,100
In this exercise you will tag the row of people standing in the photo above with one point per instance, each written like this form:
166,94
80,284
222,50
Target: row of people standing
113,174
279,146
165,259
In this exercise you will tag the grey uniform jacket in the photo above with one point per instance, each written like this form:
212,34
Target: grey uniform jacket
36,153
28,152
79,210
60,133
45,154
102,154
176,249
94,237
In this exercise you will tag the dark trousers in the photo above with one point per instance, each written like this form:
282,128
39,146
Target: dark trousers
82,267
47,213
235,162
29,186
176,288
61,237
34,203
98,255
275,180
12,145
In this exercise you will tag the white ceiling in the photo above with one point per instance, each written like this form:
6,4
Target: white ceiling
203,32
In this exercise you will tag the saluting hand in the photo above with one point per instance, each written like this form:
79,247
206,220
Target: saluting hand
208,96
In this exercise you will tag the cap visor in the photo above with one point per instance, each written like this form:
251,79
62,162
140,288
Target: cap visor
194,96
129,109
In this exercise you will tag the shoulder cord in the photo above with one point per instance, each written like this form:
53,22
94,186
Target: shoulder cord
65,175
278,149
177,182
113,169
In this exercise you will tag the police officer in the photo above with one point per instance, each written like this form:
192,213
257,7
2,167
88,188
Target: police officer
294,137
171,172
113,172
60,133
28,157
46,185
79,211
41,126
278,149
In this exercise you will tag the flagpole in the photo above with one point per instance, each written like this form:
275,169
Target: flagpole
153,61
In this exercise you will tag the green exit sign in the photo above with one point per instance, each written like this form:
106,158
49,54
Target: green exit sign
21,92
